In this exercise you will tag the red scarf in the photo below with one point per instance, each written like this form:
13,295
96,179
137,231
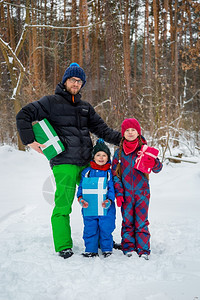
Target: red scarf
129,147
98,167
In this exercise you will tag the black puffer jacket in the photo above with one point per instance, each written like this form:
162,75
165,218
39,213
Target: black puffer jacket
71,120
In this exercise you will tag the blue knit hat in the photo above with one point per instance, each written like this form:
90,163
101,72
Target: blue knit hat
74,70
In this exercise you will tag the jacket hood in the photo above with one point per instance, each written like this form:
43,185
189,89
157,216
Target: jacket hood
61,90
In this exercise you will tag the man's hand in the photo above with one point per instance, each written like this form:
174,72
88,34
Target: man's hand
37,147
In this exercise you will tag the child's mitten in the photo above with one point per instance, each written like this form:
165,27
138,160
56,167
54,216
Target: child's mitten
149,162
106,203
82,202
120,199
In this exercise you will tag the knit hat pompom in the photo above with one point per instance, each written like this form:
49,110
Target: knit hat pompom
101,146
74,70
74,65
130,123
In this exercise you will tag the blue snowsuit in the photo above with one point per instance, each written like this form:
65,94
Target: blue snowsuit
98,229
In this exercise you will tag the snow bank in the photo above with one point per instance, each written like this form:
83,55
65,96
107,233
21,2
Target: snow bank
30,269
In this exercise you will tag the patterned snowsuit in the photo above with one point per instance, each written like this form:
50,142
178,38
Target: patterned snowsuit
98,229
134,187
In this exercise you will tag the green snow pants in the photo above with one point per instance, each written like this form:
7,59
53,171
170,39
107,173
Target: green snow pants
66,178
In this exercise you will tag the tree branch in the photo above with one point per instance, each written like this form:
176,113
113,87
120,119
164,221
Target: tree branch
189,100
64,27
108,100
6,47
24,32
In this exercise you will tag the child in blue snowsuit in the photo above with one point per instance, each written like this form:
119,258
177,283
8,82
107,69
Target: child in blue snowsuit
98,228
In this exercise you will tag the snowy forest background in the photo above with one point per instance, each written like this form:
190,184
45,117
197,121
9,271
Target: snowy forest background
141,59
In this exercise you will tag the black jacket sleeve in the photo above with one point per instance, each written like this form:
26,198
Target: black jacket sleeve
35,111
101,129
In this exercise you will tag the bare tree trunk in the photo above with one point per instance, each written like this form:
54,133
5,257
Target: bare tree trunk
156,32
164,65
94,69
135,48
43,30
171,31
149,66
115,82
190,23
144,55
74,53
176,51
36,60
65,34
81,34
148,47
56,70
86,33
11,31
30,54
87,60
173,104
15,67
126,47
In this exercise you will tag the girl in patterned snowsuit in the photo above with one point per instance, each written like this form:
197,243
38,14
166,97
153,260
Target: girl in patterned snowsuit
132,190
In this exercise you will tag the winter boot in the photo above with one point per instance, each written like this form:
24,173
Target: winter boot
145,256
90,254
128,254
131,253
66,253
117,246
106,254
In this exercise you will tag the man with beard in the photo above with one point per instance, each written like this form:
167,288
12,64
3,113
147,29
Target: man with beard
73,119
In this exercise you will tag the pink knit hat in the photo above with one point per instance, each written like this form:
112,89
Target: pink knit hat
130,123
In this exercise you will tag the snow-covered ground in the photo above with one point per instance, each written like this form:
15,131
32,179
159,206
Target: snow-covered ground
30,269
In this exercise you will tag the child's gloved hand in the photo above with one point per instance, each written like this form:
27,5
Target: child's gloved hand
106,203
120,199
82,202
149,162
